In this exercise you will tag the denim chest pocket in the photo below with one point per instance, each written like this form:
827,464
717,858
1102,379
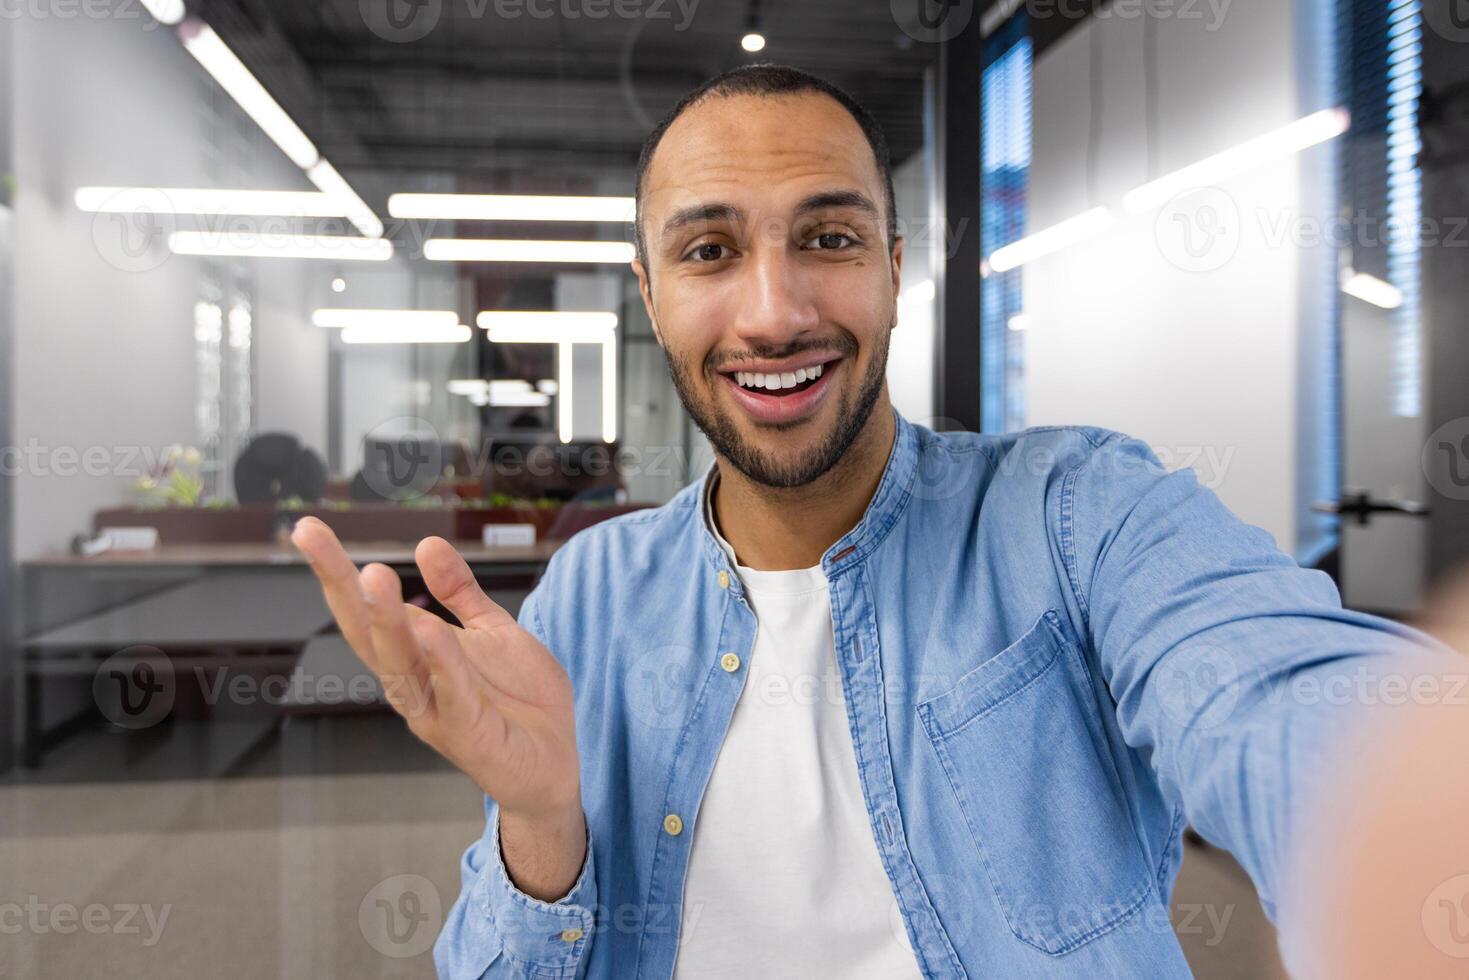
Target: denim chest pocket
1020,740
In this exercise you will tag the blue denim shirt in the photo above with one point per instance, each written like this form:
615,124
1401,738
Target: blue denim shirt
1054,655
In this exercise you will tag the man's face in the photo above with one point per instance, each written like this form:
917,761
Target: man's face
769,278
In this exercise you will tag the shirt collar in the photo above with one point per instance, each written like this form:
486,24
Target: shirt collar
882,512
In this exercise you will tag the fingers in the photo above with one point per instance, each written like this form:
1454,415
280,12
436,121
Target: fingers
339,583
452,583
400,663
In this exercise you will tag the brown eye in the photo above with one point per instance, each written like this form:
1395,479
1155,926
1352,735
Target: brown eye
830,241
708,252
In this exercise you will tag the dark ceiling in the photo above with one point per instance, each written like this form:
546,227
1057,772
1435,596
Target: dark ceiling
540,94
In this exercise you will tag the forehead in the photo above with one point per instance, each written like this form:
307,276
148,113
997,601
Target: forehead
726,148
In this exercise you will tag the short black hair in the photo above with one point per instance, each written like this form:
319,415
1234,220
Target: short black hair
769,79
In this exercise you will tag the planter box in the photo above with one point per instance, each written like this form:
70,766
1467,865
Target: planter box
361,522
194,525
381,522
468,522
556,523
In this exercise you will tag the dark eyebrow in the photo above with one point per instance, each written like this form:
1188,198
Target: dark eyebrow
710,213
838,199
700,214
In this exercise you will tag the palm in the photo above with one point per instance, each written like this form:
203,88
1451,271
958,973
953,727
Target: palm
521,726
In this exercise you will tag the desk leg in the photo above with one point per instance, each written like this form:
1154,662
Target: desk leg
30,751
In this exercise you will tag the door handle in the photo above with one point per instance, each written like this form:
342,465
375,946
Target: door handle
1361,505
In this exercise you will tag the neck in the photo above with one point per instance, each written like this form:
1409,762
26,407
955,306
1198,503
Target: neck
781,528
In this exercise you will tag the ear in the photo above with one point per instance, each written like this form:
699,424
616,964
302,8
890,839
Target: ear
897,274
645,289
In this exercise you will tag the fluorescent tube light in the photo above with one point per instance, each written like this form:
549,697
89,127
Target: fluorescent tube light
510,207
331,183
569,334
542,324
1302,134
547,327
500,393
384,318
517,399
468,386
207,201
511,250
609,392
230,72
1052,239
390,334
281,246
1370,289
166,12
564,403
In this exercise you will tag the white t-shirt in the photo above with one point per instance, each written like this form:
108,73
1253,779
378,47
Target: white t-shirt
784,878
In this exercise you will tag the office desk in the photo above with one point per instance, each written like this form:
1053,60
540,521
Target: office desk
502,559
213,605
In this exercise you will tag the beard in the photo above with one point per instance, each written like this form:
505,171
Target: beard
762,467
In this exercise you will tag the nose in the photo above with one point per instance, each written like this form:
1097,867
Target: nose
777,302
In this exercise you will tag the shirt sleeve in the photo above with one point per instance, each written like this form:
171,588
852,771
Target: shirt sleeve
1235,672
494,929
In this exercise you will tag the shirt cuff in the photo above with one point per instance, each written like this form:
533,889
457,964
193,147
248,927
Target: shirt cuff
548,938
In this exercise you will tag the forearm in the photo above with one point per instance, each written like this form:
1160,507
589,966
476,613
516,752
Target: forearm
1382,887
543,856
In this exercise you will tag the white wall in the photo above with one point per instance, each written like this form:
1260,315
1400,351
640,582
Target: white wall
104,347
911,355
1199,352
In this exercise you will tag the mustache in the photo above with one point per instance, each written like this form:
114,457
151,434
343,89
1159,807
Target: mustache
844,344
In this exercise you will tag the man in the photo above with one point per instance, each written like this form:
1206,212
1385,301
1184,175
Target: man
867,701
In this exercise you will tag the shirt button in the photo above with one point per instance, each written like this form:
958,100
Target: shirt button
673,824
730,662
723,579
570,935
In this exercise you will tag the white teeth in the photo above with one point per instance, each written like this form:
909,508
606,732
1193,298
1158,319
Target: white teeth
776,381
